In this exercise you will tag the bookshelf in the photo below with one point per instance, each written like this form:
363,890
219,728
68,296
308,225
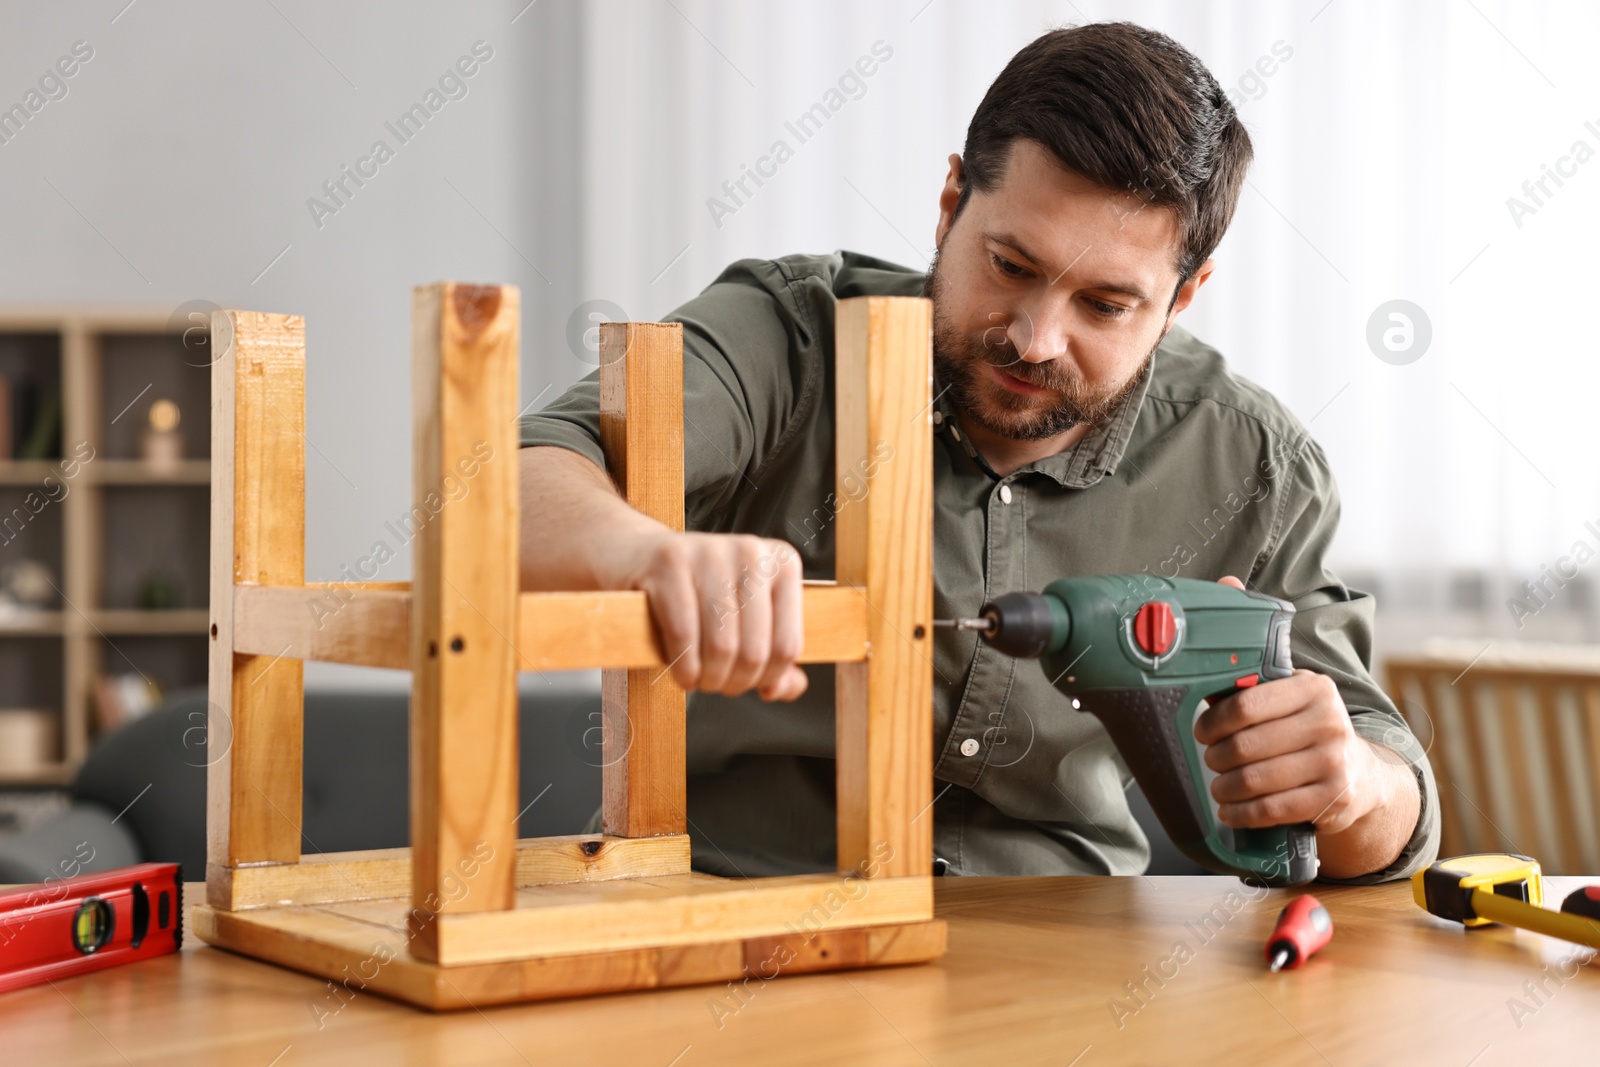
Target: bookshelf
118,533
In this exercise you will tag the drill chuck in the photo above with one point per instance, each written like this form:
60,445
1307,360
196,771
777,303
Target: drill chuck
1026,625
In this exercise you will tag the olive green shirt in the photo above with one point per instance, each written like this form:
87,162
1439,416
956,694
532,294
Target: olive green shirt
1199,474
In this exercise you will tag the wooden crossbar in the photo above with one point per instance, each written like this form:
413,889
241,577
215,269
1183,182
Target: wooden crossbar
467,898
565,631
340,947
376,874
675,910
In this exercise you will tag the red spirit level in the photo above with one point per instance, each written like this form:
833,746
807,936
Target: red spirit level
75,925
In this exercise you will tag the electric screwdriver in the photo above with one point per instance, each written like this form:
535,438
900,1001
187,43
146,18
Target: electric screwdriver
1140,653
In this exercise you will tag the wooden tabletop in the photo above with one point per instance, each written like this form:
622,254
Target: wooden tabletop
1064,971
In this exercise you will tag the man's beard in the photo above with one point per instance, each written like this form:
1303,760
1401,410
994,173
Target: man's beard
958,362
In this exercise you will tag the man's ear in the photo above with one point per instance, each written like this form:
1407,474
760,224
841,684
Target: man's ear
1187,290
949,197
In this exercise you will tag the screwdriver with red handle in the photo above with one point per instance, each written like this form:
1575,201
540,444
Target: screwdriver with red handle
1304,926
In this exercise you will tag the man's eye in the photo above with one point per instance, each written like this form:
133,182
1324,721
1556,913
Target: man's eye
1105,310
1006,267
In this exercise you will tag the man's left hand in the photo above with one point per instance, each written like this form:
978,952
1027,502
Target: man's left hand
1285,751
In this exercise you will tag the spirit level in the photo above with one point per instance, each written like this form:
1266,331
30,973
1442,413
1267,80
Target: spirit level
75,925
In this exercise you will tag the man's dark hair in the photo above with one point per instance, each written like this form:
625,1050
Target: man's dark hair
1128,108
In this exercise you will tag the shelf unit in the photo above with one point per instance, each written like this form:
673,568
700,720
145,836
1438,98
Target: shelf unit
118,521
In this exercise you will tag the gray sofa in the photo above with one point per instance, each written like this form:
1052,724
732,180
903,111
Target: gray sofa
141,794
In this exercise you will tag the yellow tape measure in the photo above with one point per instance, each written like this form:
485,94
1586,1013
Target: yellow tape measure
1499,887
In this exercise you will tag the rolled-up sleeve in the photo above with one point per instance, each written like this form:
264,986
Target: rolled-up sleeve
1332,635
570,421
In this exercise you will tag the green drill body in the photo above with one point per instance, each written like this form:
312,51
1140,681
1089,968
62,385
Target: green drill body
1141,653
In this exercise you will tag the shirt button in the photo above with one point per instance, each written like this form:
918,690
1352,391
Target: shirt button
1005,494
969,747
938,418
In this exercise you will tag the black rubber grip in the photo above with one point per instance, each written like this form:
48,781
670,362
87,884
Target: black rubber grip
1143,724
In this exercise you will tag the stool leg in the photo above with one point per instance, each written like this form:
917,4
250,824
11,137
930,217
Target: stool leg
464,597
884,706
258,537
642,711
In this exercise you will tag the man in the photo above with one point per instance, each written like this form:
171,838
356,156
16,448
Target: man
1078,431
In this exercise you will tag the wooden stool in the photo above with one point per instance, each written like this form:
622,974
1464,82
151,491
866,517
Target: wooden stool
470,915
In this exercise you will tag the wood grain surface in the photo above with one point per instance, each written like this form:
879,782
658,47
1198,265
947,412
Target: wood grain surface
258,537
463,599
369,624
643,790
373,874
883,707
1038,972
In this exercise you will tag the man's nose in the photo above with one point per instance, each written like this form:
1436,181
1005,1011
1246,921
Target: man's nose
1040,333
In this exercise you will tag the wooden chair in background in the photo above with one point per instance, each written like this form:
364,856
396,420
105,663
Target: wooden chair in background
1513,734
469,915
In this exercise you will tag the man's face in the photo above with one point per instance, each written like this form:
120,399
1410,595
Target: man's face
1050,295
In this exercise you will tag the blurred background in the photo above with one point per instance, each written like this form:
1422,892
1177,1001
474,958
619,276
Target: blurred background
1434,161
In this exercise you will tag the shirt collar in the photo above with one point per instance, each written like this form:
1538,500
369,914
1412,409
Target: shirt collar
1085,463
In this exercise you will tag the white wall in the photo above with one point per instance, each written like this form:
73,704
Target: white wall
584,155
1387,145
194,137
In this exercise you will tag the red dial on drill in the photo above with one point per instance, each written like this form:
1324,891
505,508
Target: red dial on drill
1154,627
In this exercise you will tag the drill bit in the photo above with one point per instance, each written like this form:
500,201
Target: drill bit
985,624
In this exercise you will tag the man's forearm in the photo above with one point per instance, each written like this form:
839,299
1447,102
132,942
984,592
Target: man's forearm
570,512
1375,840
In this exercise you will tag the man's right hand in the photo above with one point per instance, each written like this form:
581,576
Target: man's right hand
727,606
